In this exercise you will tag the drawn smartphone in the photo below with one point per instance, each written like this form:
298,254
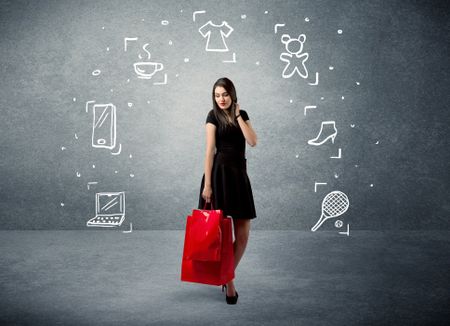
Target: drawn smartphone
104,126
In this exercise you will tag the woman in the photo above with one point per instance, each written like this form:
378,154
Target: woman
225,182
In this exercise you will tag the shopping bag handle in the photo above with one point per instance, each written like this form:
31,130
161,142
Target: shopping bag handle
210,202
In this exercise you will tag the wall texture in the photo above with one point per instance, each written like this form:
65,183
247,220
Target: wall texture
375,71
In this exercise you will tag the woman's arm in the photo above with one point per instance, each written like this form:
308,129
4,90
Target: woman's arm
246,127
209,158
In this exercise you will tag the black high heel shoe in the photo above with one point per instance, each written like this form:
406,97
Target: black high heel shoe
230,300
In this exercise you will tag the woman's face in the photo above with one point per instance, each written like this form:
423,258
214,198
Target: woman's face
223,99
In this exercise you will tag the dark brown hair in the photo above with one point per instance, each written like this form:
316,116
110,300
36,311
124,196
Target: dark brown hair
221,116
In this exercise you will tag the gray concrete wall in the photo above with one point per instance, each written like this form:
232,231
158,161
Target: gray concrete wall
383,80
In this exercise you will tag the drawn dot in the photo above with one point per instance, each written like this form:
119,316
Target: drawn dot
170,42
107,49
338,224
342,97
103,27
297,156
322,98
115,172
243,16
128,80
331,67
132,175
371,185
352,125
111,90
186,59
148,102
130,104
96,72
257,63
74,99
336,175
78,174
165,22
176,75
181,10
339,31
377,142
131,156
306,19
290,101
142,19
357,83
63,148
356,165
62,204
93,166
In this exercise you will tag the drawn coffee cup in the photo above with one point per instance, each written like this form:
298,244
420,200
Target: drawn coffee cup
147,69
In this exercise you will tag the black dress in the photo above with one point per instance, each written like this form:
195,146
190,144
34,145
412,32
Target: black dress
231,189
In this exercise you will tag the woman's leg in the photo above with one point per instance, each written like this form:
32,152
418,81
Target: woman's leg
241,235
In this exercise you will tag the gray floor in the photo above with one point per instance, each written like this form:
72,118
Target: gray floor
104,277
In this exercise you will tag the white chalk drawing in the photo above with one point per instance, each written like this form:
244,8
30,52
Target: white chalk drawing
347,232
76,137
316,82
308,107
130,230
276,27
88,105
126,40
163,82
118,151
338,224
63,148
293,57
196,13
339,156
89,184
109,209
146,69
216,35
307,19
318,184
334,204
96,72
327,131
104,126
78,174
165,22
232,60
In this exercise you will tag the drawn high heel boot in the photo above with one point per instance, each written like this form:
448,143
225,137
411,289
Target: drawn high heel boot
327,130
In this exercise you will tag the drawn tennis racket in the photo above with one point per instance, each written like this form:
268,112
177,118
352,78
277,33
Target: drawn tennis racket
333,205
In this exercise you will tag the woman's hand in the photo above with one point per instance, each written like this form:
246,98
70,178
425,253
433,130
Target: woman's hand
207,194
237,110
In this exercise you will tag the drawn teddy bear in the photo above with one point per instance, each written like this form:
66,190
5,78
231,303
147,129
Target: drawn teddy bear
294,57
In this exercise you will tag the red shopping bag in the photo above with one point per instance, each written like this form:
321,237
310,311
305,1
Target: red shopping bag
211,272
205,235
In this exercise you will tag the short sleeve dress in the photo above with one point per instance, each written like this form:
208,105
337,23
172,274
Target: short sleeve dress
231,187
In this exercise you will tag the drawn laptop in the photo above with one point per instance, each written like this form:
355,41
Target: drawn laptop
109,209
